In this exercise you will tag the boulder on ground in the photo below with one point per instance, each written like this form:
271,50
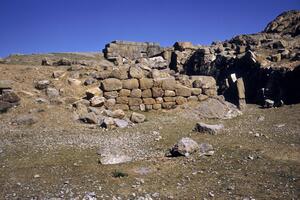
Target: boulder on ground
46,62
207,128
63,62
74,82
216,108
120,114
52,92
90,118
206,149
184,147
10,97
43,84
137,117
58,73
108,122
121,123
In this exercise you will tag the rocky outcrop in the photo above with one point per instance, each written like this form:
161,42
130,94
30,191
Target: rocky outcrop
286,23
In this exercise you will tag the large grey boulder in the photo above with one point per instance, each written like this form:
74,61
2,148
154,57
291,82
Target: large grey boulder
208,128
216,108
184,147
137,117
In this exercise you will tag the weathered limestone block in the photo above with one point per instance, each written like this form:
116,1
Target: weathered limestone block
149,101
97,101
122,100
159,100
96,91
124,107
146,83
211,92
157,82
131,50
120,73
111,84
203,82
135,108
134,101
170,93
136,72
111,95
168,84
110,103
148,107
124,93
136,93
183,91
147,93
157,92
130,84
104,74
202,97
181,46
196,91
181,100
137,117
192,98
168,105
169,99
156,106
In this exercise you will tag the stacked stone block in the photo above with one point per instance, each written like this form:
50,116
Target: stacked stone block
140,93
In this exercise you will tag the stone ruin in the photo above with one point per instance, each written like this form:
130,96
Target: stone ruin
136,92
131,50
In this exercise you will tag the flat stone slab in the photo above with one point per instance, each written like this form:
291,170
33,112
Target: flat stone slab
112,159
208,128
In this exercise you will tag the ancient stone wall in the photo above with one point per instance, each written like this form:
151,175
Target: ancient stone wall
131,50
134,91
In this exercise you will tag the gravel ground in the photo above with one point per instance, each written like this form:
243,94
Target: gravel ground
256,155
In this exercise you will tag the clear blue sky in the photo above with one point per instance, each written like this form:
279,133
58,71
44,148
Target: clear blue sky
33,26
